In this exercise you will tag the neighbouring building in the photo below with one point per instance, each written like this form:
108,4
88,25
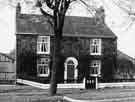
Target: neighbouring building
7,69
89,48
125,67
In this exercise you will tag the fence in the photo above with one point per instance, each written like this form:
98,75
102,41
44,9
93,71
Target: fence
7,77
46,86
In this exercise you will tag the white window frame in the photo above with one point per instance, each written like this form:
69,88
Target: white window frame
40,44
95,43
97,65
43,64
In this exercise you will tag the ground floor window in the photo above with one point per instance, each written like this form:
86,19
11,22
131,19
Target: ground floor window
95,68
43,67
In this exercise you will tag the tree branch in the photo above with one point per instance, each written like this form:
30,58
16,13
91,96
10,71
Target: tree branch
67,3
62,7
129,12
88,7
70,1
50,18
51,23
50,4
46,14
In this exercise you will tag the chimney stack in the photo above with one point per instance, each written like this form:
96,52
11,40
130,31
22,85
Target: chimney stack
18,8
100,16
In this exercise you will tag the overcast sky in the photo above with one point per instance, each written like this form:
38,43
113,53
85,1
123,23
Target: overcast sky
119,21
7,28
116,19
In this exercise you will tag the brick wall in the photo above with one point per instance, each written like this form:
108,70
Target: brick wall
71,47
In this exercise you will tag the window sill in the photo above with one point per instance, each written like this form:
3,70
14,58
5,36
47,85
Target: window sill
95,75
43,75
43,53
95,54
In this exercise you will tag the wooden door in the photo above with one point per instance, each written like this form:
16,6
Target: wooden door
70,71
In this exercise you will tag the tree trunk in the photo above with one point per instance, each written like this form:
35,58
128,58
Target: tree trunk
58,30
55,64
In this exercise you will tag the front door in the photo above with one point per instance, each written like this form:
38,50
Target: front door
71,72
90,82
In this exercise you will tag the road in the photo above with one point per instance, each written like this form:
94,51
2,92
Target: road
31,94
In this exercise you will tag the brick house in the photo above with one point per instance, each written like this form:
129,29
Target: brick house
89,48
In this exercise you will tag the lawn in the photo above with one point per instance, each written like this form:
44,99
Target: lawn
21,93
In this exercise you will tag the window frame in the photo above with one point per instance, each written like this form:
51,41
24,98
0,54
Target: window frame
98,45
97,66
40,42
46,63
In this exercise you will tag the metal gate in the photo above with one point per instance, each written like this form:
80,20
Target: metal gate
90,82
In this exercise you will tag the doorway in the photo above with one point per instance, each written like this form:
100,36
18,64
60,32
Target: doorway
71,71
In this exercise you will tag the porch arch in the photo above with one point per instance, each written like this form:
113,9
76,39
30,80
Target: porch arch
71,61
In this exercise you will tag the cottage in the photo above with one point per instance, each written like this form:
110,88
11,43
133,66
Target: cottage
88,49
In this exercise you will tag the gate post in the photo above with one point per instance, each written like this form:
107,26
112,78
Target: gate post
91,82
96,82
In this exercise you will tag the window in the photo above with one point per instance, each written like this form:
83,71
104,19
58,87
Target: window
3,58
43,67
95,68
43,45
95,47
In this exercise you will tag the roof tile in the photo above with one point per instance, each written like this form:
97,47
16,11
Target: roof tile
73,26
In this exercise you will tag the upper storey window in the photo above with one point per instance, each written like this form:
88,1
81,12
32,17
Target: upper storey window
95,47
43,45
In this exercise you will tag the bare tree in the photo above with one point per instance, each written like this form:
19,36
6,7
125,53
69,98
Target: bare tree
55,15
128,6
91,6
56,19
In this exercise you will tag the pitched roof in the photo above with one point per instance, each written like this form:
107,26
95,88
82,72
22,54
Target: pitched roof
6,55
73,26
122,55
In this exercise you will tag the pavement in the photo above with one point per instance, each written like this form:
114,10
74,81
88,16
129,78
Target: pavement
21,93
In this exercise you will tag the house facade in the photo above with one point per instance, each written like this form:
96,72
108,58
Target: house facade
88,49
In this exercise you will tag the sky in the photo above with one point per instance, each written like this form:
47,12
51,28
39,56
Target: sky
7,27
116,19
